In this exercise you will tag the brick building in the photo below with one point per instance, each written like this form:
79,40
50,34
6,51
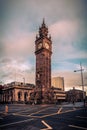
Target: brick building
74,95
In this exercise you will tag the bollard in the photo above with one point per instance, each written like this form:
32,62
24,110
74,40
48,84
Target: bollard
6,109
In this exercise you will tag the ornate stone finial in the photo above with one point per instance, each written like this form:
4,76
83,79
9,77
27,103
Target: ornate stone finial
43,20
43,23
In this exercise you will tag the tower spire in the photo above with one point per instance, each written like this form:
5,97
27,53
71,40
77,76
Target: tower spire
43,30
43,23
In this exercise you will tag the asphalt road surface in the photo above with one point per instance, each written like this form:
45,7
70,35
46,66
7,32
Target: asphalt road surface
43,117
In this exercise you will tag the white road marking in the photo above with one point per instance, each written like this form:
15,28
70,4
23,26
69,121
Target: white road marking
48,127
15,123
59,110
81,117
78,127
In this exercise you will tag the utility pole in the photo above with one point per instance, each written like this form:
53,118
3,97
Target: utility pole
81,70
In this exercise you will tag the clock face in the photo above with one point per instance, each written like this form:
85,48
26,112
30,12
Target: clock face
39,45
46,45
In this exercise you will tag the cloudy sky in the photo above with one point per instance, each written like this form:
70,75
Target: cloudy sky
19,24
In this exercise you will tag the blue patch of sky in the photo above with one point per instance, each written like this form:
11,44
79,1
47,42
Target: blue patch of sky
78,61
31,59
63,66
81,45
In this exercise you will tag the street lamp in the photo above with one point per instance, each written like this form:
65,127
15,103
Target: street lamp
81,70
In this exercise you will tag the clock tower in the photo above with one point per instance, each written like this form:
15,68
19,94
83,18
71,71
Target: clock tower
43,51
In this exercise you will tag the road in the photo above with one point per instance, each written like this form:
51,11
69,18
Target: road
43,117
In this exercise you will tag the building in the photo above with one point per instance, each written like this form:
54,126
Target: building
74,95
58,85
59,95
43,52
17,92
58,82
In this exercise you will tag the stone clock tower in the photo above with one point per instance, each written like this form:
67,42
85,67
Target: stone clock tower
43,51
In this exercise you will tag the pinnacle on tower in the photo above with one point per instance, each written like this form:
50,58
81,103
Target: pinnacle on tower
43,23
43,30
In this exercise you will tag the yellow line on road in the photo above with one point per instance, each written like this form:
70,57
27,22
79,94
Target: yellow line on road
78,127
59,110
43,115
38,111
15,123
48,115
26,110
48,127
17,114
72,110
57,113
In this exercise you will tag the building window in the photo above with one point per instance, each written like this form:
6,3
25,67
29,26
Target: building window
19,96
25,96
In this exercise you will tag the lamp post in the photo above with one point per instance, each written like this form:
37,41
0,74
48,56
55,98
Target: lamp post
81,70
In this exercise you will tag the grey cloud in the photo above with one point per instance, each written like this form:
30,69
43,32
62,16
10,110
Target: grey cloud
5,60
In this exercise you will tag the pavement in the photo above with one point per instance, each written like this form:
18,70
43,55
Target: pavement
76,104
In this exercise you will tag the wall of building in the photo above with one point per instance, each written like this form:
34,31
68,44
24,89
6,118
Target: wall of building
16,93
74,95
24,95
